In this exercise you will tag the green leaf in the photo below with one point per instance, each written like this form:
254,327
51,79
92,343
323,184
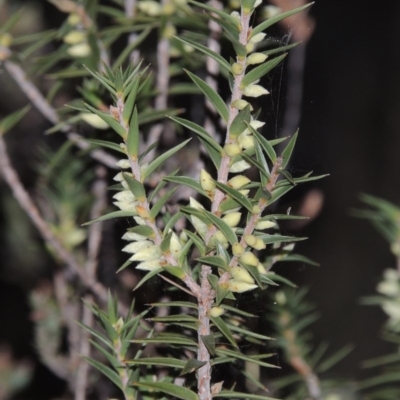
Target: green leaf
263,162
175,304
209,342
142,230
237,311
11,120
287,152
230,394
110,120
171,389
189,182
107,371
132,143
151,115
191,366
147,277
264,143
174,318
214,98
269,239
198,242
166,242
215,56
167,339
160,203
159,361
97,335
240,356
215,261
247,332
300,258
135,187
110,357
103,80
115,214
201,132
240,122
259,71
162,158
222,226
278,192
104,143
224,329
271,21
277,278
235,195
280,49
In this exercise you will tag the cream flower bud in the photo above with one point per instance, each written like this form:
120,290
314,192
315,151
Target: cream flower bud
150,7
135,247
258,37
149,265
246,141
175,246
240,274
249,47
126,206
256,124
183,237
132,236
6,39
238,181
216,312
124,164
237,68
254,241
249,258
239,166
199,225
75,37
289,247
237,249
206,181
261,269
139,220
94,120
232,149
195,204
257,3
261,225
240,286
124,195
169,9
280,298
256,58
73,19
119,177
254,91
240,104
389,288
244,192
79,50
232,219
147,254
271,11
220,238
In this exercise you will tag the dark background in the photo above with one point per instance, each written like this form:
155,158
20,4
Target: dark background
350,129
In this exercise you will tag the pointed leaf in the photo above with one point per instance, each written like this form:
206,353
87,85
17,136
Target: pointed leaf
175,304
198,242
191,366
240,122
215,261
115,214
169,339
132,143
230,394
11,120
280,49
104,143
215,56
214,98
171,389
235,195
162,158
147,277
259,71
224,329
222,226
135,187
161,202
110,120
267,147
271,21
241,356
189,182
159,361
107,371
287,152
209,342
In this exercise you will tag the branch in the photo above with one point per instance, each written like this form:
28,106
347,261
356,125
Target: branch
130,11
42,105
27,204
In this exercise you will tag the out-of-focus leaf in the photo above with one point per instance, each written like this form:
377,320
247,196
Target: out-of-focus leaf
191,366
224,329
11,120
107,371
171,389
107,144
114,214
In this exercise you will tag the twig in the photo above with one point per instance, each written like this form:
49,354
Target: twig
42,105
162,84
130,11
27,204
94,243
